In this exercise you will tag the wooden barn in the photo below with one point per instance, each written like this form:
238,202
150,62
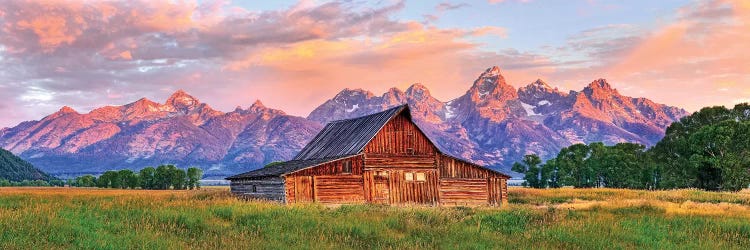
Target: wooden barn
382,158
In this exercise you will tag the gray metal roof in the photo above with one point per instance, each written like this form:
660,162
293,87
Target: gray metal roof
283,168
347,137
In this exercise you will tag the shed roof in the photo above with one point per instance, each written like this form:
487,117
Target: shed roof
283,168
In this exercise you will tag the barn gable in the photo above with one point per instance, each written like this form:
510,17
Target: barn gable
400,137
347,137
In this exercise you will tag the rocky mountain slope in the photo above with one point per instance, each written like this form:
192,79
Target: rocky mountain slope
182,131
491,123
495,124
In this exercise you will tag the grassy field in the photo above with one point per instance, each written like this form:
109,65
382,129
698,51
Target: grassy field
55,218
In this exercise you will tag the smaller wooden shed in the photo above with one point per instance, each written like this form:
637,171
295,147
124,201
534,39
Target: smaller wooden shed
381,158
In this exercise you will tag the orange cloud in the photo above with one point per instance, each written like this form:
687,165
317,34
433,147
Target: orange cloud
52,30
52,25
126,55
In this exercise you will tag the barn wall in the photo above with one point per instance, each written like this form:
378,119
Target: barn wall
339,189
457,175
400,137
498,191
392,187
327,183
289,190
395,161
271,188
464,191
413,192
453,168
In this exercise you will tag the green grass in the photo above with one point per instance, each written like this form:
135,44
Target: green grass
60,218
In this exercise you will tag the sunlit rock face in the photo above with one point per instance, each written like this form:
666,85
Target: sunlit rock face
180,131
493,123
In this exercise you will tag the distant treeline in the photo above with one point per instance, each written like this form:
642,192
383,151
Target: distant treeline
709,150
29,183
161,177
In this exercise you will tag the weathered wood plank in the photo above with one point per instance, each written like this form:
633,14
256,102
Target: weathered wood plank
339,189
400,136
391,159
270,189
458,191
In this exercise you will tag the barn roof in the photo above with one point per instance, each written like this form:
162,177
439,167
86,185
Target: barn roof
283,168
347,137
338,140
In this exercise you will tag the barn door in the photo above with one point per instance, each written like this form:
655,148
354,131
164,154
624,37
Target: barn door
303,189
381,192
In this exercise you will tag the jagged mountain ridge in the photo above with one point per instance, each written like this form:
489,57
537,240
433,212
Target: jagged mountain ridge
182,131
492,123
495,124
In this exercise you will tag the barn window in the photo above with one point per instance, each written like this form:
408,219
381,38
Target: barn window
415,176
410,151
255,189
347,168
409,176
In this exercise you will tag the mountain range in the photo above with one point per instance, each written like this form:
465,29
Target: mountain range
492,123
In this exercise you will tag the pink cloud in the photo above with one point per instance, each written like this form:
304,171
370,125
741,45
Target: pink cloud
490,30
703,50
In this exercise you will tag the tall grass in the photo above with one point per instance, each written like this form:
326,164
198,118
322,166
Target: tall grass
54,218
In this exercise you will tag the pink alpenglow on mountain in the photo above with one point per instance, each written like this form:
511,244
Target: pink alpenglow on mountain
492,123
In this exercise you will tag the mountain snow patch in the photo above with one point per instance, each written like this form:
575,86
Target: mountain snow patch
449,112
529,109
543,102
355,107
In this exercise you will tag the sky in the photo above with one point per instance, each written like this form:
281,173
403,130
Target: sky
294,55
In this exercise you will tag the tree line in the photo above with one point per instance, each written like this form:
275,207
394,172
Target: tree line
160,178
709,149
30,183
